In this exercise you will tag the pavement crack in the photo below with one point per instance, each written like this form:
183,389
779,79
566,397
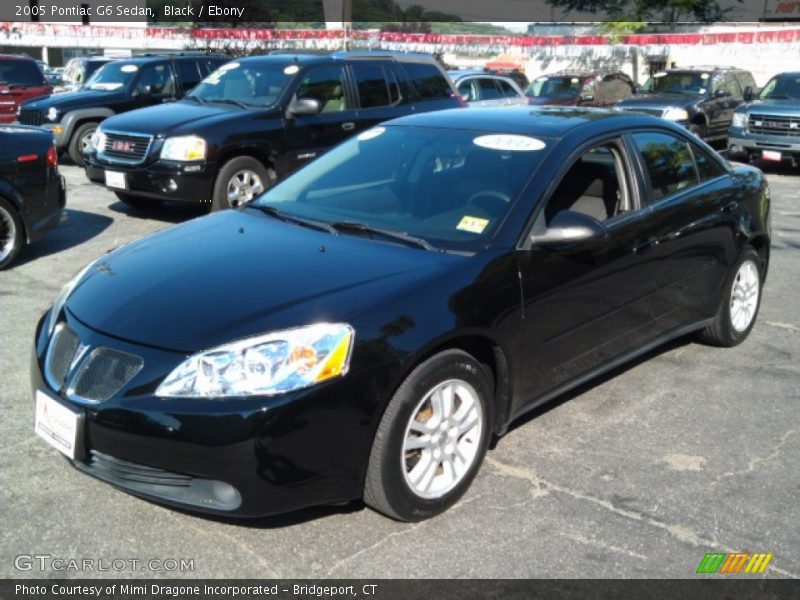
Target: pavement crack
781,325
538,487
380,542
603,546
754,462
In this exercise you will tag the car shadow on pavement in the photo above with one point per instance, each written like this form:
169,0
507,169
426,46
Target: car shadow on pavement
597,381
167,212
75,228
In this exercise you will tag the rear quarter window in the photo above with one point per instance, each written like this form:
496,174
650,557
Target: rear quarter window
428,80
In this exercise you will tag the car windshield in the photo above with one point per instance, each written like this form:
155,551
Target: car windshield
786,87
677,83
444,188
248,83
20,72
554,87
113,76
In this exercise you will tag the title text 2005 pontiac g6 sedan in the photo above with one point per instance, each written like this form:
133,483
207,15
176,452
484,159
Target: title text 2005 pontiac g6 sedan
364,327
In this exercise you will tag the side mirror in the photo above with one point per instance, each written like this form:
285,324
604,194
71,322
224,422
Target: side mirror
748,94
143,90
720,94
306,106
569,226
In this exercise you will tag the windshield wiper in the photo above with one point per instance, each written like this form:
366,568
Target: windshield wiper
195,98
400,236
229,101
282,216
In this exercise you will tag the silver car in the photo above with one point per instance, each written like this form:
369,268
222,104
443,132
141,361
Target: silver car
483,89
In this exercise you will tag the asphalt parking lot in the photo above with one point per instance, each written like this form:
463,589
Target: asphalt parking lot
690,450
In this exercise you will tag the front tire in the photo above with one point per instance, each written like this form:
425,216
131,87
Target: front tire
432,438
12,233
239,181
741,300
79,142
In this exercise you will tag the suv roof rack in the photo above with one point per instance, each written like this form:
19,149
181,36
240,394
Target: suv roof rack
704,68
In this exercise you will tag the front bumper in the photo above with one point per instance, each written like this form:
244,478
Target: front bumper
742,144
159,180
239,457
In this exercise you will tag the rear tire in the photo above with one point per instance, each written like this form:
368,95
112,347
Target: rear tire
137,201
12,233
740,302
239,181
432,438
78,141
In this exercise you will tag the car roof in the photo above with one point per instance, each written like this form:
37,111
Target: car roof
15,57
488,75
544,121
312,57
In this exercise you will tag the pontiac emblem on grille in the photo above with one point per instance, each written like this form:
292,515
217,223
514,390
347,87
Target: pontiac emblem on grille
122,146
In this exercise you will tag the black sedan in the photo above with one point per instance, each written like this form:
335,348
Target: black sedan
366,326
32,192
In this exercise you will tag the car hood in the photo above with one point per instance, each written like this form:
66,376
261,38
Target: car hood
170,118
235,274
782,108
79,99
658,101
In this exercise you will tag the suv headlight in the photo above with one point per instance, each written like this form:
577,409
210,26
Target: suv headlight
97,141
675,114
739,119
264,365
186,147
52,114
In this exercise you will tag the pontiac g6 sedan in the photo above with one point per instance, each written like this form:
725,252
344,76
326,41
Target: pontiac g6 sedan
363,329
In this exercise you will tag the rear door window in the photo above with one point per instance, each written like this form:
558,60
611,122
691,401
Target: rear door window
489,90
506,91
188,73
373,88
428,80
668,162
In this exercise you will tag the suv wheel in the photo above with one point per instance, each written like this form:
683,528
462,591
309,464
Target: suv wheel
79,142
239,181
11,233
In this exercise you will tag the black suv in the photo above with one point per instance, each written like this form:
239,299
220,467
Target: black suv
257,119
116,87
702,99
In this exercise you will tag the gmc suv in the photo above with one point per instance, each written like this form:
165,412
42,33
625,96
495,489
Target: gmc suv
768,128
702,99
116,87
256,119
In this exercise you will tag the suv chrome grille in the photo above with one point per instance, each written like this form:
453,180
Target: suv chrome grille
774,125
28,116
648,111
130,148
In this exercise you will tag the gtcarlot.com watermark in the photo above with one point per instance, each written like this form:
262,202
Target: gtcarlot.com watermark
48,562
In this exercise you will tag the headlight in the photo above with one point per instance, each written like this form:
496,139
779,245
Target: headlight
52,114
675,114
97,141
264,365
187,147
739,120
68,288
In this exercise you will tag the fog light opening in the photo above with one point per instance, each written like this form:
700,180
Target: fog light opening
170,186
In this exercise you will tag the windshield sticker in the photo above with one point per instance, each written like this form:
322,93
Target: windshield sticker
704,76
108,87
472,224
291,70
660,74
129,68
574,80
701,91
370,133
514,143
229,66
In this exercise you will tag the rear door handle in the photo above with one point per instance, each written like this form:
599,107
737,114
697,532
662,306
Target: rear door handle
348,126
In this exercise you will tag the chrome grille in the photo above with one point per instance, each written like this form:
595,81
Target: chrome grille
774,125
29,116
648,111
59,355
102,373
128,148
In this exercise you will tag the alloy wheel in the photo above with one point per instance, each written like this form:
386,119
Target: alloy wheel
442,438
243,186
8,234
744,296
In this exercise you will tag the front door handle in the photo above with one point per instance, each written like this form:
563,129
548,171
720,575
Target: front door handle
644,245
348,126
730,207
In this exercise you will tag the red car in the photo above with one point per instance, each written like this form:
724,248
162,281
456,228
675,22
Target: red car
20,79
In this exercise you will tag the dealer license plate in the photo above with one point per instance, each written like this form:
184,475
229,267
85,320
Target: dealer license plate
59,425
771,155
115,179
